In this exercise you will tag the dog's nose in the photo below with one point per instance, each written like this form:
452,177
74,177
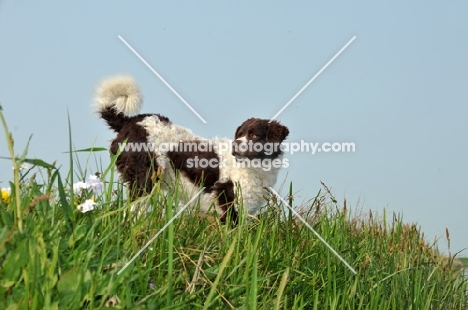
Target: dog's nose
236,145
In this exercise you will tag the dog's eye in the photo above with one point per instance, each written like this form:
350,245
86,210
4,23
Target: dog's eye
253,136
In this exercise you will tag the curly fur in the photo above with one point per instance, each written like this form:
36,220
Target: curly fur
119,98
120,92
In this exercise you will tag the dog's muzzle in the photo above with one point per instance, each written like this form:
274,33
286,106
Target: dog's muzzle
239,149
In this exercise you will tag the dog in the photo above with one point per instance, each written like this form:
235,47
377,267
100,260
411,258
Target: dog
152,149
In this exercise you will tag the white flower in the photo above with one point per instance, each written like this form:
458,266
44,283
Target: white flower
78,187
23,166
95,184
86,206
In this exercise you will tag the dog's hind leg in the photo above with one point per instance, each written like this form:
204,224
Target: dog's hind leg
139,170
225,193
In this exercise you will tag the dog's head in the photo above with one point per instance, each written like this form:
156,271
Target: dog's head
259,138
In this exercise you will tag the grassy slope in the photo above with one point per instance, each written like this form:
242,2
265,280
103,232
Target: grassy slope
52,256
196,262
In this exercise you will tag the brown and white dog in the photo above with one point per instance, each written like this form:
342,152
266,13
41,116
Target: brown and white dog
153,149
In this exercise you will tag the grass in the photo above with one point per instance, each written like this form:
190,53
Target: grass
54,257
464,261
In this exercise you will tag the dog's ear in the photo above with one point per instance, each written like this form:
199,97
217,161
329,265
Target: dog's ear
237,132
276,132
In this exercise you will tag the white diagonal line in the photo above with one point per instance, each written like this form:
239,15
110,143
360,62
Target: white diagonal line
162,79
312,79
160,231
316,233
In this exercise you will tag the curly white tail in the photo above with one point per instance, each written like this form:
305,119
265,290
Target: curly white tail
121,93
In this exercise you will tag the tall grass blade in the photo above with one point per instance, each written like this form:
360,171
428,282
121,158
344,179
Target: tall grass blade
279,293
223,265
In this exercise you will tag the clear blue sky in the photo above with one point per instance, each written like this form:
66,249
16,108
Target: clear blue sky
399,91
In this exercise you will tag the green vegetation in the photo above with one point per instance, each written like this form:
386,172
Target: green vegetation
464,261
52,256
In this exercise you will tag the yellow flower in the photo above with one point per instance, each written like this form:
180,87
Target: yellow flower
6,192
